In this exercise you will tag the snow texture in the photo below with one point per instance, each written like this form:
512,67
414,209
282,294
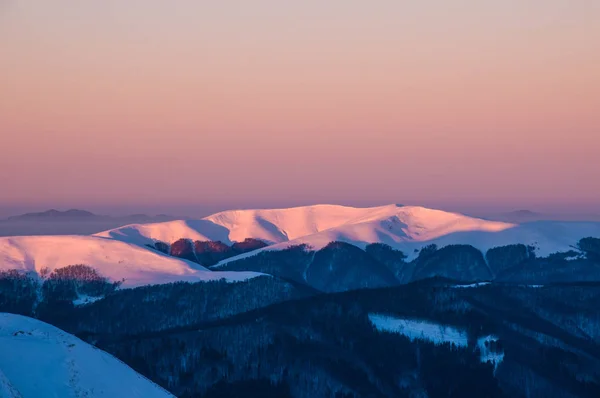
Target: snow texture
7,390
39,361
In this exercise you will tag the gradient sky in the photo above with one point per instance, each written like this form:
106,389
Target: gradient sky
277,102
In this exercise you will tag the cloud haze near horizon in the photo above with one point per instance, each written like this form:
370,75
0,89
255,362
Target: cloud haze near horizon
280,103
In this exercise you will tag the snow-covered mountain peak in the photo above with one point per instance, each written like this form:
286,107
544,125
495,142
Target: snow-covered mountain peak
281,225
407,228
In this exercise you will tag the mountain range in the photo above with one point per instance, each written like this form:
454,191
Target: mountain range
406,228
326,300
69,222
242,243
83,215
521,216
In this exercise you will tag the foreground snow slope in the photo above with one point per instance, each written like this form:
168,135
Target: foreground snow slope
38,360
113,259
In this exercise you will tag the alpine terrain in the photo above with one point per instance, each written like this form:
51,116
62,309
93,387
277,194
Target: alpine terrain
315,301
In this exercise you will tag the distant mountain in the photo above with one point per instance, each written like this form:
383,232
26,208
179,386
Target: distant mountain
389,301
269,225
40,360
373,247
72,214
523,216
70,222
405,228
84,215
329,248
385,224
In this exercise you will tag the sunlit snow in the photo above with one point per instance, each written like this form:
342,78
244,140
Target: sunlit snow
113,259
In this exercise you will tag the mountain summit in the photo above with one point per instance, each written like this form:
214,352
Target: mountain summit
54,214
275,226
407,228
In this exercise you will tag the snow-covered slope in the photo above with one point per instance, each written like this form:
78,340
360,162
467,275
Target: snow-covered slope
394,224
407,228
280,225
111,258
168,232
321,223
38,360
271,225
411,228
546,236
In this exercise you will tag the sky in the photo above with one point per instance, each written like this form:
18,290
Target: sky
149,103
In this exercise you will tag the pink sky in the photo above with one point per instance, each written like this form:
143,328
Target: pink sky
267,101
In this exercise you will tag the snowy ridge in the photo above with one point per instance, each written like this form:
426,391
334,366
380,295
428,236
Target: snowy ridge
407,228
410,229
317,225
121,253
111,258
269,225
39,360
168,232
